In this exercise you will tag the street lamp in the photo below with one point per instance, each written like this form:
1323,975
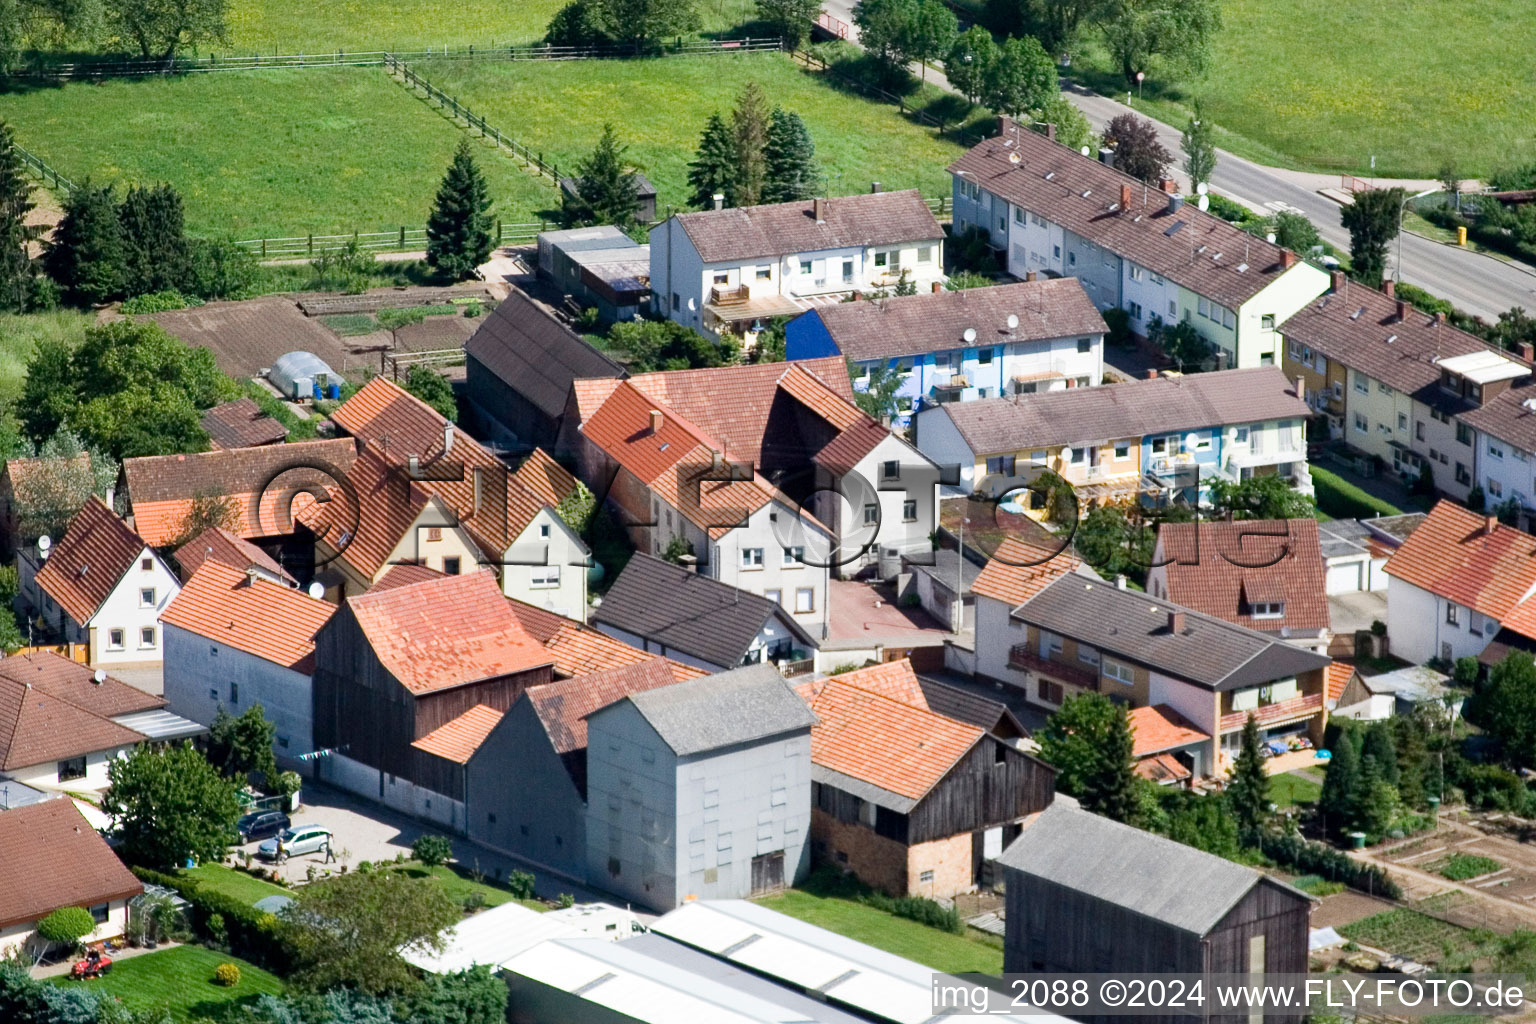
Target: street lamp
1397,269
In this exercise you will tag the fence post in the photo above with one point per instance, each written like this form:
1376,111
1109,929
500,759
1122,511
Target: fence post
402,236
498,230
263,248
311,244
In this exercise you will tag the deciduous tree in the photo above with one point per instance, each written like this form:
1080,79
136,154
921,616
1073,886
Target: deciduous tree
878,396
1260,497
241,745
605,186
1199,145
929,33
1072,128
1137,149
713,169
1372,221
433,388
575,24
884,29
790,18
1506,708
644,24
1022,78
1170,36
171,804
1107,540
161,27
790,158
66,474
1295,232
969,64
459,228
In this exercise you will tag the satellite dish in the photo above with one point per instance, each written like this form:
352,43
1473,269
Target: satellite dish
969,334
1084,151
1013,158
1013,321
99,676
43,543
1271,238
1205,201
1202,188
317,590
692,305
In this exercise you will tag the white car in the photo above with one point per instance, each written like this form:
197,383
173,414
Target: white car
294,842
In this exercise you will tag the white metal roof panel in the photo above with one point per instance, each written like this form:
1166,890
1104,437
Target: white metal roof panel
1482,367
490,937
888,998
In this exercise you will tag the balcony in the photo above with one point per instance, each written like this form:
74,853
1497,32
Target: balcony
1022,656
1280,713
719,296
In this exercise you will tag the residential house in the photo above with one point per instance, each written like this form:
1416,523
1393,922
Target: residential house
912,801
730,271
580,649
1265,574
51,858
62,723
1087,894
1457,577
1402,385
31,482
259,483
1506,446
1016,572
219,545
1051,210
397,664
1167,748
242,424
681,614
961,345
600,268
235,638
430,493
1161,439
1081,635
541,743
518,369
700,789
942,581
103,586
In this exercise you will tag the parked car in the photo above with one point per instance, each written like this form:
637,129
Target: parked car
261,824
294,842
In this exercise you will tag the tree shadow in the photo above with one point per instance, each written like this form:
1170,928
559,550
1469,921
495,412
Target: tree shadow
223,1011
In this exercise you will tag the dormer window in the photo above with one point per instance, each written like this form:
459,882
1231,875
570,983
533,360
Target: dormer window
1267,610
1451,382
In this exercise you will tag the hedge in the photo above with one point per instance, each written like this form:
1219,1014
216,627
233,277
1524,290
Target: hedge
1317,859
252,934
1343,500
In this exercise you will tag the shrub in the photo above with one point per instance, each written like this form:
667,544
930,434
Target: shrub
829,882
159,302
1333,865
520,884
1343,500
227,975
471,309
218,931
67,925
252,934
1119,323
1378,628
1492,788
565,900
473,902
432,850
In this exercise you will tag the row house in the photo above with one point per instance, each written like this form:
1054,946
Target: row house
730,271
1167,436
961,345
1405,386
1048,209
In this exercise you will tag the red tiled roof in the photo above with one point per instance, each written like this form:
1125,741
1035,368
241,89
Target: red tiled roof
1017,571
442,633
579,649
50,857
457,740
563,706
403,575
388,503
545,477
893,679
1162,768
1158,728
1335,678
71,681
1222,567
900,748
220,545
87,564
1455,555
242,424
273,621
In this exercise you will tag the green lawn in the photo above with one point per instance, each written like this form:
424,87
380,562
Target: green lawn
459,883
1330,84
942,951
181,979
267,153
1286,790
234,884
659,108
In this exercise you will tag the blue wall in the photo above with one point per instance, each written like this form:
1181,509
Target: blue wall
806,337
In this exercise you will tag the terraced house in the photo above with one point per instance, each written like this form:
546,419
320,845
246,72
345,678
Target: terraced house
1050,210
1163,438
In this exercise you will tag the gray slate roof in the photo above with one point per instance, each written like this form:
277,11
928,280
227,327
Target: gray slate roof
1145,873
1131,409
711,712
1396,527
1340,537
536,355
946,567
1131,625
689,612
780,229
935,322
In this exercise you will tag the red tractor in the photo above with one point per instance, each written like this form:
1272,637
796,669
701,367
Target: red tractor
94,965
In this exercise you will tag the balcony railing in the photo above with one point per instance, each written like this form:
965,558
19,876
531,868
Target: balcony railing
1022,656
723,296
1278,713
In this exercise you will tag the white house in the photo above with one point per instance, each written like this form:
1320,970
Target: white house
1133,247
725,271
103,586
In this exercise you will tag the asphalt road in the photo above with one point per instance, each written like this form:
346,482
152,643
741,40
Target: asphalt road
1475,283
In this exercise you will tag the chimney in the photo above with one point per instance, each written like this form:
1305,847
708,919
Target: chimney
1526,351
689,562
1050,131
1440,317
1006,125
1221,359
414,462
447,436
1175,203
820,208
1120,581
1337,277
719,200
1031,275
1490,523
857,295
1151,373
1402,310
874,188
1287,259
655,421
1175,621
1125,197
1170,186
1389,289
938,286
250,575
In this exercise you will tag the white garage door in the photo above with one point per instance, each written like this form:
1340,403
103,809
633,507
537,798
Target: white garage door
1344,579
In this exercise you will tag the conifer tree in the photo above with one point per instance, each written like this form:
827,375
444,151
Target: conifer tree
154,240
605,188
791,159
17,271
86,254
459,227
749,131
1111,791
1380,745
1341,785
1248,788
713,170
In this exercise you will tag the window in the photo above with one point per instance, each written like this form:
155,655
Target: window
1071,259
147,636
544,530
451,566
984,357
871,514
1295,350
722,277
882,259
1418,430
676,301
234,693
1122,450
1402,421
805,599
751,558
909,510
1463,475
1136,272
1267,609
544,577
1203,443
890,470
1133,308
1056,252
146,564
1084,346
1267,321
1228,318
1463,433
1173,309
1204,308
925,876
1362,383
114,639
776,596
1002,464
847,270
146,597
1119,672
794,556
1078,455
74,768
805,267
1018,215
1384,389
1159,446
924,253
1495,488
1452,614
1239,435
1039,456
434,533
1049,692
1361,423
1495,451
99,913
1050,643
1087,654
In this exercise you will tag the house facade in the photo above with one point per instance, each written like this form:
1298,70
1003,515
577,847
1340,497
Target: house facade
729,271
1056,212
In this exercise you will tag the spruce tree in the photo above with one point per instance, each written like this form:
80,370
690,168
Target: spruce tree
749,133
154,240
1111,790
605,189
791,159
1412,760
1380,745
17,271
713,170
459,228
86,254
1341,785
1248,788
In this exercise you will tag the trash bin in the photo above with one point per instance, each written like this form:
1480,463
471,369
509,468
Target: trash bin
1357,840
1434,805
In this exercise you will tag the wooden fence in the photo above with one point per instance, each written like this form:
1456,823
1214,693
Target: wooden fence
47,175
403,240
79,653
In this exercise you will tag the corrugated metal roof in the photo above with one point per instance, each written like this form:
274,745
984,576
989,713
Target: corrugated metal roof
161,725
490,937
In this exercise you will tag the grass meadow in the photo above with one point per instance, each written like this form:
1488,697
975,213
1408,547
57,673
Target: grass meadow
180,980
266,153
659,108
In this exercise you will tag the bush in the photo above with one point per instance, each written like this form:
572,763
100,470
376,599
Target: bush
432,850
1333,865
227,975
158,302
520,884
218,270
1119,323
1489,787
252,934
1343,500
67,926
473,902
565,900
829,882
